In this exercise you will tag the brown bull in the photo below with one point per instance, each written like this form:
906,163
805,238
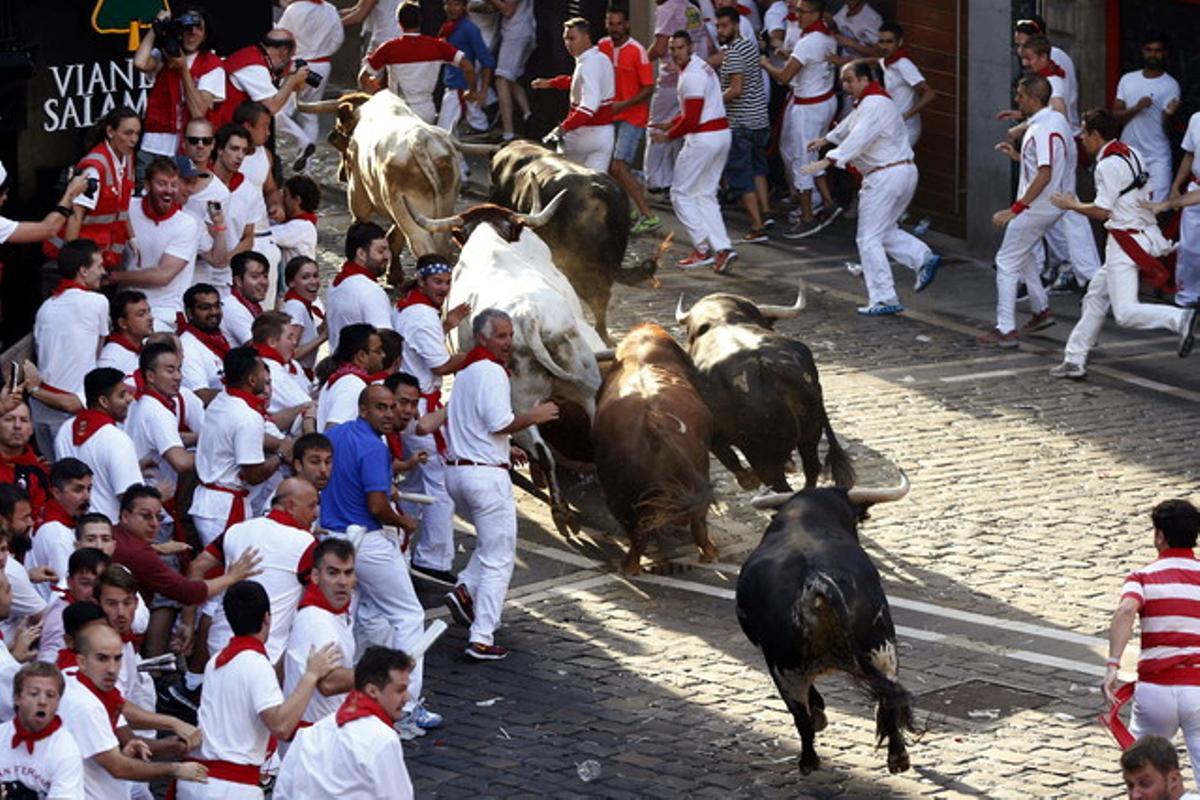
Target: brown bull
651,436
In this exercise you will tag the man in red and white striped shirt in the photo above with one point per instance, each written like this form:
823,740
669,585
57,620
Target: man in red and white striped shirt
587,131
1166,595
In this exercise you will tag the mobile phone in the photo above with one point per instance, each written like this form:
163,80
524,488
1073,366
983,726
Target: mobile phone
214,206
15,375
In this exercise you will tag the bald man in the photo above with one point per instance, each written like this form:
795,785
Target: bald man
250,74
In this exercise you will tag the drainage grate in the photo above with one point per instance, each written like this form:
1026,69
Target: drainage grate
981,701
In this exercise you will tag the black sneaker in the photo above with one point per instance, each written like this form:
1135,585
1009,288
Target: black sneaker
443,577
302,161
486,652
1187,333
461,606
177,700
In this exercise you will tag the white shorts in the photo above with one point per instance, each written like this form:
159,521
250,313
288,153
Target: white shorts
514,52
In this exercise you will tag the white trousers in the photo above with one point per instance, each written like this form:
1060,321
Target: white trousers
659,163
591,146
1016,261
694,187
802,124
387,594
208,528
1116,284
483,496
451,112
305,127
1071,238
1161,174
1187,263
217,789
1163,710
884,196
435,536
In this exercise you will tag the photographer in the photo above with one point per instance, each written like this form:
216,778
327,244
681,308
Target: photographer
189,78
318,31
250,74
14,232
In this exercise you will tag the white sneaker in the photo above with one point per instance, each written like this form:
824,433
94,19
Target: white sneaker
408,728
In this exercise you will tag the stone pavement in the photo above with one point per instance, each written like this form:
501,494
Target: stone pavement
1030,504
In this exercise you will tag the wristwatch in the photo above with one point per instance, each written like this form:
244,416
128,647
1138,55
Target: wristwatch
66,212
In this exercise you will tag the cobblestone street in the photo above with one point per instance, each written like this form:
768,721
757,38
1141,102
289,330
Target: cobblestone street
1030,504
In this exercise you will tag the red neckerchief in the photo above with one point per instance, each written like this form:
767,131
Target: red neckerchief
86,423
254,401
355,369
66,659
481,353
313,596
817,27
238,645
284,518
235,180
26,458
308,216
213,341
873,88
251,306
121,340
30,738
180,412
65,284
133,639
358,705
271,354
1116,148
1052,69
900,53
415,297
448,28
112,699
395,445
309,305
66,596
54,512
353,268
154,216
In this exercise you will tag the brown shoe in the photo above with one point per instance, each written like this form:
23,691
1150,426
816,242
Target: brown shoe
995,338
1040,321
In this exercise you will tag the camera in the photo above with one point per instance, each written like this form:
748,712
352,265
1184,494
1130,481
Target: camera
93,186
168,33
313,80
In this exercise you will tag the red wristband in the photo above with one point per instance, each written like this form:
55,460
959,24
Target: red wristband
1017,207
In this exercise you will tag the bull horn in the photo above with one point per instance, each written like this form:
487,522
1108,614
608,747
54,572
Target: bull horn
785,312
319,107
606,355
536,218
862,496
775,500
440,225
470,149
680,314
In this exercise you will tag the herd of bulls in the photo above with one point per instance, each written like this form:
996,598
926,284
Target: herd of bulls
808,596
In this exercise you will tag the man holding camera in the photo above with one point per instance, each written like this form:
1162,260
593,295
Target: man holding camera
318,31
250,74
188,79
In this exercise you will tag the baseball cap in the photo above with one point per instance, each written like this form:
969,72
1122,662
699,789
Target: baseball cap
187,169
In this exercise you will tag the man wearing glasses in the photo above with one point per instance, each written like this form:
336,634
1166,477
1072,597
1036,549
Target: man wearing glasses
251,74
199,188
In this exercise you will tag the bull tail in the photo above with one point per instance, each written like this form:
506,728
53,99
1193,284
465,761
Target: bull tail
838,461
677,500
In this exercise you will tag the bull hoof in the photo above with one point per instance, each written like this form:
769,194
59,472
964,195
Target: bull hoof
817,717
748,480
708,552
898,762
809,762
631,565
566,521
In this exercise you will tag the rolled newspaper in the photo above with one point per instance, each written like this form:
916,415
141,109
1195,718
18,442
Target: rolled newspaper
435,629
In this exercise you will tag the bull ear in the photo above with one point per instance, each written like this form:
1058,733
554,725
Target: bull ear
345,114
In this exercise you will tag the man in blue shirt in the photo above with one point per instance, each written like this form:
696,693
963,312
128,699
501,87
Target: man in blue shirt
464,34
359,493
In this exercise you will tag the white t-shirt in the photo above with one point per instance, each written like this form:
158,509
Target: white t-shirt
424,344
85,718
521,23
197,206
181,236
110,453
1113,174
287,389
213,82
234,696
53,636
7,228
286,552
1047,140
53,544
481,403
295,237
863,27
698,79
356,299
339,403
309,323
314,628
870,137
816,75
9,667
25,602
257,168
775,18
1145,130
119,357
236,321
202,368
67,331
901,79
232,435
54,770
255,81
361,760
154,429
1191,143
380,24
316,26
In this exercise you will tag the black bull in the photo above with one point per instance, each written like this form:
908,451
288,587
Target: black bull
811,600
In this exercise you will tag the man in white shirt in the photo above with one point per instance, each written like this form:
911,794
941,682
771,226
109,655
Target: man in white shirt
249,271
38,757
242,705
273,337
669,16
14,232
419,320
1034,25
587,132
296,235
903,81
132,322
359,357
1187,179
165,423
84,566
378,18
875,140
258,167
808,111
1046,160
90,708
54,539
1134,237
323,618
317,27
355,294
241,204
94,437
857,26
355,752
204,346
234,452
67,331
479,420
518,36
1145,102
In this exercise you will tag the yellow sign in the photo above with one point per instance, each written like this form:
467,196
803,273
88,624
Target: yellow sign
126,16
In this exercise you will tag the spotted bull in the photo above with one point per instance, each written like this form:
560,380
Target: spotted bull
763,390
811,600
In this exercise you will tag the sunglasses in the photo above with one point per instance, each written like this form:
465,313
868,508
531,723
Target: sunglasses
285,43
199,140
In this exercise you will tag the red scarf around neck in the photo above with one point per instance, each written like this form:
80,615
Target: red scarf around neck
817,27
1115,148
28,457
123,340
175,405
271,354
213,341
113,700
66,284
481,353
355,369
284,518
313,310
415,297
1052,69
313,596
309,217
254,308
873,88
235,180
66,659
54,512
254,401
358,705
351,268
238,645
86,423
448,28
901,52
29,738
153,215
